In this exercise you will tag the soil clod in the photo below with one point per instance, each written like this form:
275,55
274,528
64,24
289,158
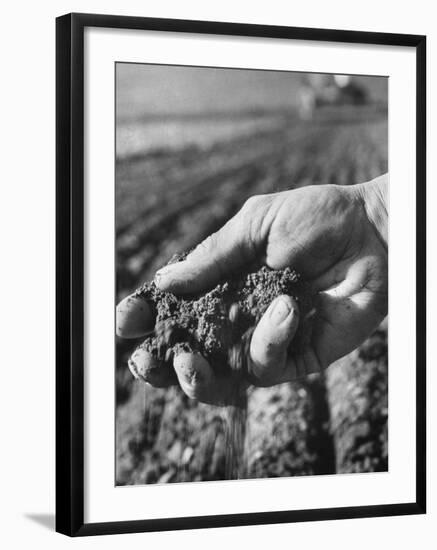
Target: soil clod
219,323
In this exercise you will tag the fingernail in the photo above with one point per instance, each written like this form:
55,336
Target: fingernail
163,273
281,310
192,366
142,363
133,368
134,317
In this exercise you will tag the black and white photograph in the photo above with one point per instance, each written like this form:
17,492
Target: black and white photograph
215,277
251,215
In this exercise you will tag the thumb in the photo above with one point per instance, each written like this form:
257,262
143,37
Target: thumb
218,256
270,341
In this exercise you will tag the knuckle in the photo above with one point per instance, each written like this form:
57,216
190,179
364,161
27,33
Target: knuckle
256,216
253,203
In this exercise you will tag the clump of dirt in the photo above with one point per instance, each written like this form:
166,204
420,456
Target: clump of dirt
219,323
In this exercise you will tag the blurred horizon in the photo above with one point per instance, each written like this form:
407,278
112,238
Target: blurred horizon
162,107
146,90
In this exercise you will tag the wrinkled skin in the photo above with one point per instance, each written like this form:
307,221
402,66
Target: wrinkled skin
330,235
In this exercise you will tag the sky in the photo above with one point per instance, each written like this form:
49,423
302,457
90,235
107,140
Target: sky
151,90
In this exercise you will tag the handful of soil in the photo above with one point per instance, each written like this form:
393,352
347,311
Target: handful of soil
219,323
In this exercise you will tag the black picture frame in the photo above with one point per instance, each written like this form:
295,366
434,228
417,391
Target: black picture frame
70,273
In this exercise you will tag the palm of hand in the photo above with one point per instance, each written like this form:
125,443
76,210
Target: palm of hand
325,234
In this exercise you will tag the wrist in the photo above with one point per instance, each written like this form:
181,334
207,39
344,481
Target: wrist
374,195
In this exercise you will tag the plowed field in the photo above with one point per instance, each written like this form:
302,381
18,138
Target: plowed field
168,199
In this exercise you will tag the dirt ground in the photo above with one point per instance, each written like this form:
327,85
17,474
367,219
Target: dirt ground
170,199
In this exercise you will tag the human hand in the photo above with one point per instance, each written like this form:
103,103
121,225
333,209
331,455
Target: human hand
335,237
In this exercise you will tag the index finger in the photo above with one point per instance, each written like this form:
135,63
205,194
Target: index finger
218,256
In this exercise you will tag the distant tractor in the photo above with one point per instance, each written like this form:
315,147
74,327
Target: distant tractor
319,90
